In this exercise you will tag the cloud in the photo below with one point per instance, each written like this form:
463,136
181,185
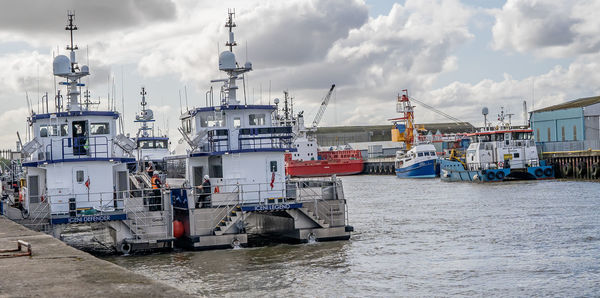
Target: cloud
547,28
43,17
8,133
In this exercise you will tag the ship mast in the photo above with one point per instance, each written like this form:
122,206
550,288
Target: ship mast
67,67
228,64
145,116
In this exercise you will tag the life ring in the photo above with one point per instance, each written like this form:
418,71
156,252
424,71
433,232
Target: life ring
235,243
491,176
539,172
500,165
125,248
548,172
500,175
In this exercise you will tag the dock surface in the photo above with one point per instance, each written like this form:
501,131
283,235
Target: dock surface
58,270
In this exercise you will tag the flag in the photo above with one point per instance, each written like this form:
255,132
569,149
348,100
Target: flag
272,179
87,183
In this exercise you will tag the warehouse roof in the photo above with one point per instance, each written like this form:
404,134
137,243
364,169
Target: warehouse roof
577,103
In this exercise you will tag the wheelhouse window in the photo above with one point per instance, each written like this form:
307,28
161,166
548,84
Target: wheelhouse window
145,144
99,129
52,130
214,120
186,124
64,130
43,131
161,144
237,122
256,119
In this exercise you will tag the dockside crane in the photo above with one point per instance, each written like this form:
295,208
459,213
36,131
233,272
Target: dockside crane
322,109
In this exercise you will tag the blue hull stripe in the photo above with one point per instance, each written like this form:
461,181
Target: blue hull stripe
425,169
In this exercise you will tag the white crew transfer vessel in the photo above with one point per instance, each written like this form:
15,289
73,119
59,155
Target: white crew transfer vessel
76,172
234,182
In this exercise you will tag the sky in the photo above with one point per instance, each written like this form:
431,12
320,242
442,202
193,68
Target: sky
457,56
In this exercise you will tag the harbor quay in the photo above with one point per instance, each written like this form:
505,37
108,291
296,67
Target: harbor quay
55,269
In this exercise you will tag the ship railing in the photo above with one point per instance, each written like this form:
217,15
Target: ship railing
319,193
75,148
135,206
37,214
478,166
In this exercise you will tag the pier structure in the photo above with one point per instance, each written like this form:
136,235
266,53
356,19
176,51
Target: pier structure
55,269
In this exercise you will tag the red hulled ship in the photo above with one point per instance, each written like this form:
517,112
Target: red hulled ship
338,162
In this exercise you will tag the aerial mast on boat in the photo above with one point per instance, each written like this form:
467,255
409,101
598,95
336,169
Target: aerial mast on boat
68,68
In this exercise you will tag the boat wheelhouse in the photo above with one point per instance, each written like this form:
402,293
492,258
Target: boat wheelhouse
232,179
151,146
418,162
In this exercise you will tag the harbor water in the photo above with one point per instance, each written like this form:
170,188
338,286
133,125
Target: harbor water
417,238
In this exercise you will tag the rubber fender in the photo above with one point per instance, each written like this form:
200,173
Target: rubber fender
596,170
581,167
567,169
500,175
548,172
491,176
538,172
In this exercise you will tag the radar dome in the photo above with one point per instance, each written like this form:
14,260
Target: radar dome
61,65
276,101
85,70
484,111
248,65
227,61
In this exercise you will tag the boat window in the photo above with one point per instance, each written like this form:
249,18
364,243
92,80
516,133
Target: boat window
53,130
433,153
186,124
43,131
273,166
256,119
420,154
145,144
79,176
426,153
237,122
214,120
64,130
99,128
161,144
516,155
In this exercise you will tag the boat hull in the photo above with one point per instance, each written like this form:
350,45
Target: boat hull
454,171
424,169
320,168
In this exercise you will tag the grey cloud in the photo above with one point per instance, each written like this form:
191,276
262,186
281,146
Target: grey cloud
304,33
42,16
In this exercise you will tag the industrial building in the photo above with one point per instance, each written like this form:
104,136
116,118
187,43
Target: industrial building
569,126
342,135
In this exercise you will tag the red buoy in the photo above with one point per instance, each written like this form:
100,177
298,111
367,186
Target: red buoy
177,229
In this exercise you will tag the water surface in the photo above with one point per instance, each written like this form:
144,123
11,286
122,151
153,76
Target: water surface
418,238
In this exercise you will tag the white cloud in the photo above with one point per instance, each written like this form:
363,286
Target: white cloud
547,28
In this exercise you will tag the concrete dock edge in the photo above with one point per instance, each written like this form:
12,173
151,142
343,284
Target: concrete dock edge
58,270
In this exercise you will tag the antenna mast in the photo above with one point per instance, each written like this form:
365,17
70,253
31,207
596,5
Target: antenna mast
230,24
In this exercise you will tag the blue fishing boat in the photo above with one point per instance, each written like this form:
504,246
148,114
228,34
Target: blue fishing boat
418,162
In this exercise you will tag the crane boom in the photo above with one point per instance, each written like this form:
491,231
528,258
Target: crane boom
458,121
321,111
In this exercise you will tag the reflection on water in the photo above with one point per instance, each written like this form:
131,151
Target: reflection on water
418,237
